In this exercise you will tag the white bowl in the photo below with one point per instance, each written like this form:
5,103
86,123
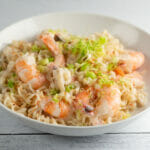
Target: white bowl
79,23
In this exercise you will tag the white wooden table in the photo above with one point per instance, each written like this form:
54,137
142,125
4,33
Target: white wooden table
16,136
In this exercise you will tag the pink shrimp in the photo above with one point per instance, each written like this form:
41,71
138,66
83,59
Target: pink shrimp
27,72
136,79
56,109
82,101
132,61
48,40
109,103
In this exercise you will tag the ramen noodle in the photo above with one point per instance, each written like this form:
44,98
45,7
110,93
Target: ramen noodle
60,78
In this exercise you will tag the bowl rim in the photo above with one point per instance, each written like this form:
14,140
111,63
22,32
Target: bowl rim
26,118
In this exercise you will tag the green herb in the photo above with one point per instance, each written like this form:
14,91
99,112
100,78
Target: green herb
113,64
41,68
35,48
86,46
105,81
126,115
70,87
44,61
70,66
55,98
91,75
99,74
84,66
51,59
10,83
54,91
102,40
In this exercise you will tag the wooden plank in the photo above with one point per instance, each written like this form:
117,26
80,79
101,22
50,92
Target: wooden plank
52,142
9,124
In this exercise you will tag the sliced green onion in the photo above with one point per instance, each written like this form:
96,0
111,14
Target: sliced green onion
41,68
51,59
91,75
54,91
99,74
105,81
55,98
35,48
70,87
44,61
126,115
10,83
84,66
113,64
102,40
70,66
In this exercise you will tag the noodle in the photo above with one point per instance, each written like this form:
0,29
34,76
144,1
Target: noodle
92,65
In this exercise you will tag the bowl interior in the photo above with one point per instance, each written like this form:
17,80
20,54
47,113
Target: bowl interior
82,24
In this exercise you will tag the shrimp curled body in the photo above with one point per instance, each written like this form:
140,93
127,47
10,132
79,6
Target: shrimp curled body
56,109
27,72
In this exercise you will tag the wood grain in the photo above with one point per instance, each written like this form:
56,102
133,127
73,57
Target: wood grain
53,142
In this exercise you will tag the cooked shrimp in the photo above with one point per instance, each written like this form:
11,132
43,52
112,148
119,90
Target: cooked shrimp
60,109
83,98
82,101
131,61
136,79
48,40
27,72
109,103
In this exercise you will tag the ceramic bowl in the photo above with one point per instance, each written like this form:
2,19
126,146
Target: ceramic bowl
81,24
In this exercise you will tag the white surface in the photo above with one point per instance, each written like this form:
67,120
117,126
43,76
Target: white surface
134,11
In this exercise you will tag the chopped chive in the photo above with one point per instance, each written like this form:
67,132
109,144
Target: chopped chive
102,40
105,81
84,66
113,64
51,59
91,75
41,68
54,91
69,87
10,83
55,98
35,48
44,61
70,66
